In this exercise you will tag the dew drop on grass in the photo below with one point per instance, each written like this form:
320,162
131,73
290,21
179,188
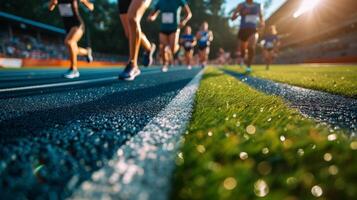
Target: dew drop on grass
333,170
243,155
229,183
251,129
327,157
234,115
210,133
265,150
332,137
316,191
261,188
291,181
300,152
201,148
269,120
282,138
353,145
238,124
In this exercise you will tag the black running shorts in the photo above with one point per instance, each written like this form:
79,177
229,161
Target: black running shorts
123,6
246,33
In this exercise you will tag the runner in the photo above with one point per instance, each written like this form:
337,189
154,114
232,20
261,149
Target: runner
74,26
171,24
149,48
204,38
135,10
251,14
188,42
270,46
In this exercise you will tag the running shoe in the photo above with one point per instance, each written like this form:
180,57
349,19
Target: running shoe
148,57
89,56
71,74
248,70
129,73
165,68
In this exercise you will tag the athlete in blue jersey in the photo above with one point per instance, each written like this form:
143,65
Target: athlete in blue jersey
188,42
74,26
204,38
251,19
270,45
170,27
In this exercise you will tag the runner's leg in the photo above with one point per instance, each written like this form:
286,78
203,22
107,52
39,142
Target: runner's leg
136,11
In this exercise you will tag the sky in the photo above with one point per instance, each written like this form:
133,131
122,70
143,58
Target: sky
275,5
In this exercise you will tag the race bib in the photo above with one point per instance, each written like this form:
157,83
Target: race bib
65,10
168,18
187,44
251,19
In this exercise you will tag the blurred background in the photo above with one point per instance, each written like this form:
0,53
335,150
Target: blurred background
310,30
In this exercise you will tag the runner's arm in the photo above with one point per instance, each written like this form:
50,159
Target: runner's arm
153,15
236,12
188,15
211,37
88,4
194,43
52,5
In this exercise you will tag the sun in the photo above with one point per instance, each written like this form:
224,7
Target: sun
306,6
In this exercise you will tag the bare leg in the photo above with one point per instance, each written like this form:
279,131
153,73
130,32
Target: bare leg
164,43
252,42
125,22
71,41
136,11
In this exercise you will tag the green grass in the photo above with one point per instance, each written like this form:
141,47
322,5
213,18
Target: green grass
336,79
241,144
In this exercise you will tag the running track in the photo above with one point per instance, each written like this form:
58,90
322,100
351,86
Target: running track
55,133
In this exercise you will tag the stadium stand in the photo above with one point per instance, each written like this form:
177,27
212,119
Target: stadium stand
326,34
27,39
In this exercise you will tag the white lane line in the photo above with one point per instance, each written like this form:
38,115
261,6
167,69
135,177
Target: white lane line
72,83
57,84
142,168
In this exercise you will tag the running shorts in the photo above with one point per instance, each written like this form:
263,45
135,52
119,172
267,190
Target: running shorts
246,33
123,6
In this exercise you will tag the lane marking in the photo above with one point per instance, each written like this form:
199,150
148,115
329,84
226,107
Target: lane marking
72,83
142,168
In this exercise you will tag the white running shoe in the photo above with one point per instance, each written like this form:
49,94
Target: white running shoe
165,69
71,74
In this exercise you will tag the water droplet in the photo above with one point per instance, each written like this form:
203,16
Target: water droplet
264,168
261,188
265,150
201,148
209,133
269,120
333,170
238,124
282,138
327,157
332,137
229,183
353,145
291,181
316,191
300,152
234,115
243,155
251,129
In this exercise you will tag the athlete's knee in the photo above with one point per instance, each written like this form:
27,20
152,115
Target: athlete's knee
133,19
69,42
